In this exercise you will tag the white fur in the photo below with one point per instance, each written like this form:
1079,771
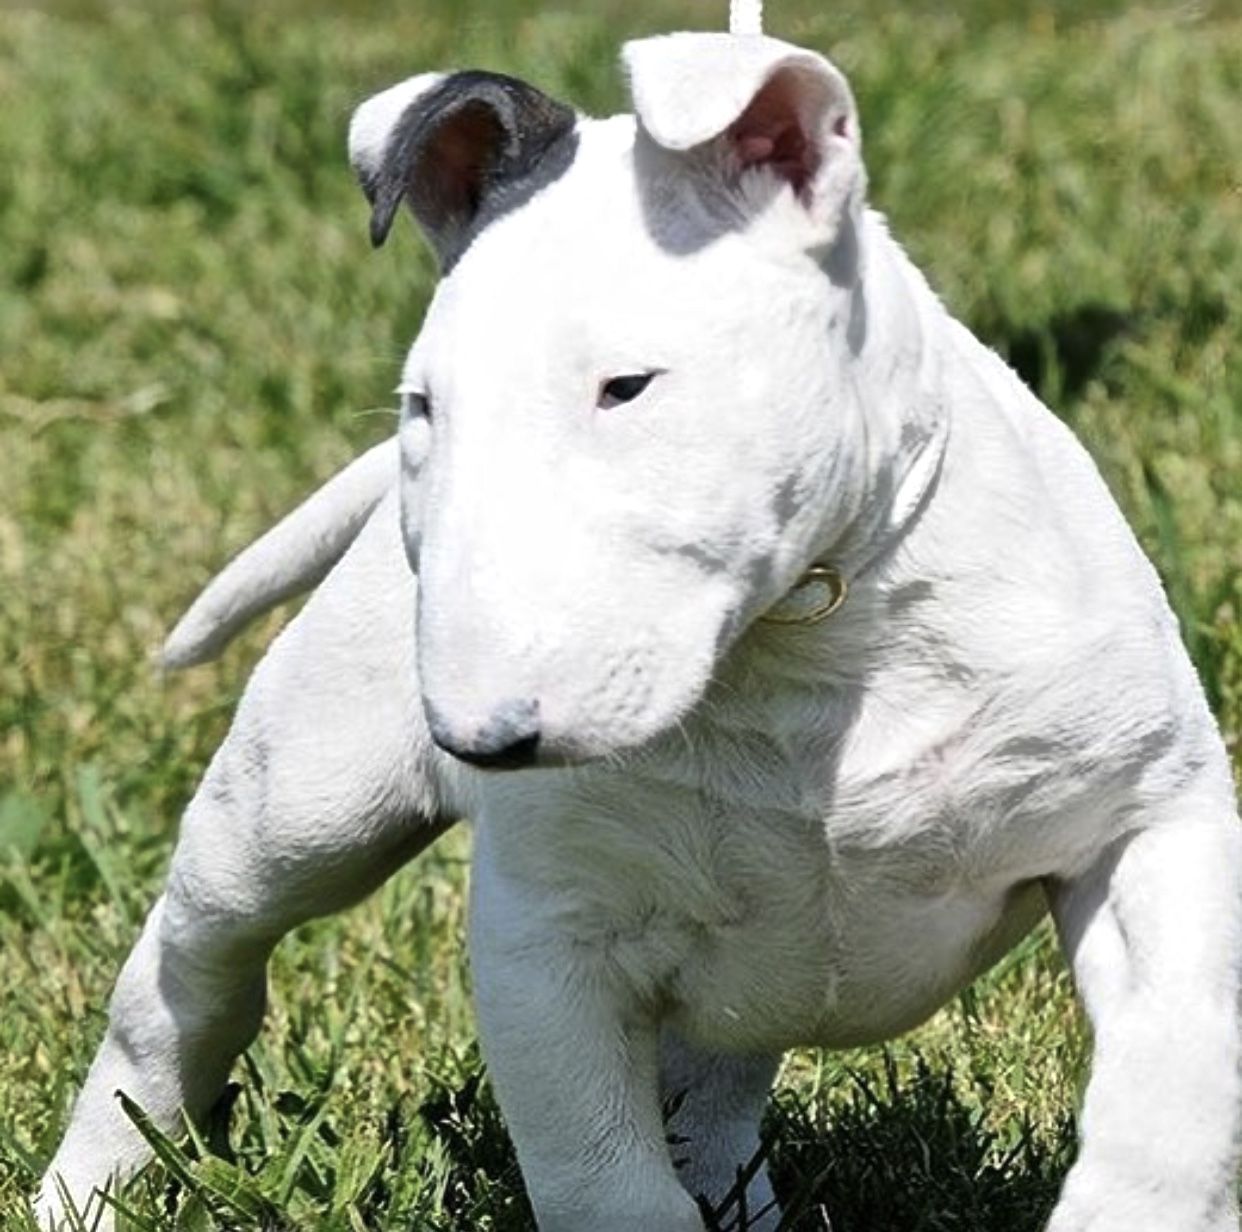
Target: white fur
373,121
688,88
745,836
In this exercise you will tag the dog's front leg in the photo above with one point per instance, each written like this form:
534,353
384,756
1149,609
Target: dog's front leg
576,1075
1154,933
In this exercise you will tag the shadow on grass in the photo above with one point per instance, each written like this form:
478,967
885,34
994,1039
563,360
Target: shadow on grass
914,1154
911,1154
912,1150
1059,359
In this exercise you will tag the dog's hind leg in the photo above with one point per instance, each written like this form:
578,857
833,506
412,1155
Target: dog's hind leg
714,1102
1154,933
325,785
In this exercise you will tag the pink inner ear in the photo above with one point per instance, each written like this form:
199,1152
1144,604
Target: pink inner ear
771,133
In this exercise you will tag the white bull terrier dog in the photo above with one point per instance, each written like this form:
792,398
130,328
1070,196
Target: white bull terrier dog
790,658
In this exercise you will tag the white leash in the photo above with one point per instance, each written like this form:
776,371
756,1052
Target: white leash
745,16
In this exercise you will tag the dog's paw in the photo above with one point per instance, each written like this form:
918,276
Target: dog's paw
55,1210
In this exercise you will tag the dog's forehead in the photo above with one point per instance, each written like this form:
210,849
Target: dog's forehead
563,225
580,264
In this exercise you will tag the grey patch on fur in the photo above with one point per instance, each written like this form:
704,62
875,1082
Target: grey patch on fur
910,596
515,141
842,262
856,327
785,502
715,210
759,573
730,627
912,435
710,562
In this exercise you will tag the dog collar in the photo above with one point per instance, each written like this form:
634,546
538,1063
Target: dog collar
822,589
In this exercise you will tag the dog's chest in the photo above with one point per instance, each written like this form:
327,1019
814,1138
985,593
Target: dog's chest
749,910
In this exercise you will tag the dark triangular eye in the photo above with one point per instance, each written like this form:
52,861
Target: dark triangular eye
624,389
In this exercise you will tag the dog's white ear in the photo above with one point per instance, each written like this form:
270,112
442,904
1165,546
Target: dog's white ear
737,104
449,145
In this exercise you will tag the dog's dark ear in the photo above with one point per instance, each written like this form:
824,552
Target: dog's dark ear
447,145
724,105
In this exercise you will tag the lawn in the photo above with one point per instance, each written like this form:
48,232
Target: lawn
194,332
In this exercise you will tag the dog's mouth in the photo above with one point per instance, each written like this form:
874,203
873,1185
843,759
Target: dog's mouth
534,752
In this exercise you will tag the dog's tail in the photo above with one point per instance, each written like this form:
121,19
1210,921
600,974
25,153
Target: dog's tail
296,554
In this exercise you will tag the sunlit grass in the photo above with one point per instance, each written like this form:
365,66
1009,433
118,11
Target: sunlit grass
193,332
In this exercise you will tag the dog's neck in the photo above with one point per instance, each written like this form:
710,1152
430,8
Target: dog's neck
901,407
801,681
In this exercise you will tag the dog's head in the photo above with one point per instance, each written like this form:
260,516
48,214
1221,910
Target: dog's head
629,417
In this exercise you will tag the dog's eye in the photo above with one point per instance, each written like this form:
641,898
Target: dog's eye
415,405
623,389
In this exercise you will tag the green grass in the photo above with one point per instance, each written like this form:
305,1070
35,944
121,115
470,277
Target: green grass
193,332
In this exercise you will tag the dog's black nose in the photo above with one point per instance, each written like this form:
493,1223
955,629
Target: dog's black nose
509,740
515,756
